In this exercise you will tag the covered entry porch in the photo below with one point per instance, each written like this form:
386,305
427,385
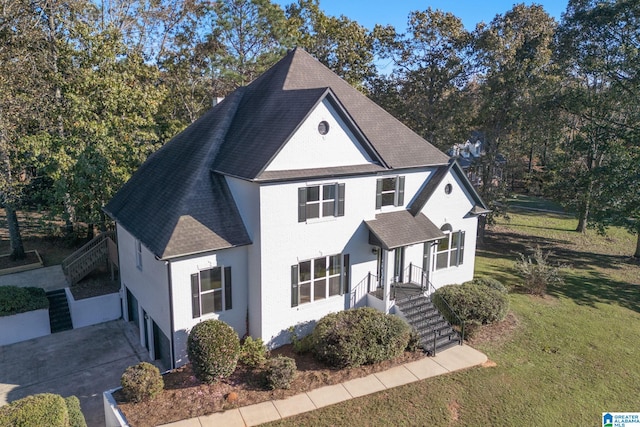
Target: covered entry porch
404,245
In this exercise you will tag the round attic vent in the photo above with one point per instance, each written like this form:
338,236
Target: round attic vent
323,127
448,188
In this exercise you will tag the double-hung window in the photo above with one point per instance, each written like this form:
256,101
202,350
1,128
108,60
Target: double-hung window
450,249
210,291
318,201
390,191
319,278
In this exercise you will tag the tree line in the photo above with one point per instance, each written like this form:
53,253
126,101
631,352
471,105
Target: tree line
89,89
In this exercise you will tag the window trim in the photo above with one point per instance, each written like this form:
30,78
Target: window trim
297,282
398,192
457,237
337,200
197,293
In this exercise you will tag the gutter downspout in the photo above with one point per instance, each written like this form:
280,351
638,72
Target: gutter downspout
171,347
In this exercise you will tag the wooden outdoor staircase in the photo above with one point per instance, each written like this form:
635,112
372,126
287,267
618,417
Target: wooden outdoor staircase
434,331
101,250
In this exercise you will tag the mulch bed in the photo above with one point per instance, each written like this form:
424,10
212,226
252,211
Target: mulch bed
30,258
185,397
95,284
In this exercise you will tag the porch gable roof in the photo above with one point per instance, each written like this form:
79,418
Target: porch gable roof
395,229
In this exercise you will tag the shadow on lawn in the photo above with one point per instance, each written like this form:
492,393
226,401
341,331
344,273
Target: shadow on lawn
597,287
588,287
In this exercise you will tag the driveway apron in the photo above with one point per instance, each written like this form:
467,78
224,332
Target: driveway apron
82,362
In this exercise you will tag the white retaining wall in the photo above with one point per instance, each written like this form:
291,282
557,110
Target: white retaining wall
91,311
24,326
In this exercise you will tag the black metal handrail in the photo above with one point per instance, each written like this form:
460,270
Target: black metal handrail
460,321
358,289
413,271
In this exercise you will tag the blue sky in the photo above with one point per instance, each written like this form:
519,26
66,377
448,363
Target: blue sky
395,12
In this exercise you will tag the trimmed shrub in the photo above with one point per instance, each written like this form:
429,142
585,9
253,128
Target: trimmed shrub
359,336
490,283
281,371
213,348
474,304
76,418
37,410
15,300
253,352
300,345
141,382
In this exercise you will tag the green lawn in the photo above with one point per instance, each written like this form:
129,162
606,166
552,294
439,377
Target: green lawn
566,358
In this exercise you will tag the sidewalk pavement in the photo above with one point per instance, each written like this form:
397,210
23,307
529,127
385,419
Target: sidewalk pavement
452,359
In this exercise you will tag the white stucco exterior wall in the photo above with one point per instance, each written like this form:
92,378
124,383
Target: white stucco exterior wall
247,197
150,285
181,271
452,209
286,242
309,149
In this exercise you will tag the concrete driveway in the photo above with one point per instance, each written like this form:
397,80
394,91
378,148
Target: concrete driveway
82,362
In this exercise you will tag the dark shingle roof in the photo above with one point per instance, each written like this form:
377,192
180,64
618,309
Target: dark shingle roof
436,178
394,229
174,204
277,102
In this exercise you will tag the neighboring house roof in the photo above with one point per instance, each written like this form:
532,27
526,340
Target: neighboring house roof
178,202
394,229
436,178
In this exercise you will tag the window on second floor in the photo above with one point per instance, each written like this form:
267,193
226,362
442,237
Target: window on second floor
318,201
210,291
390,191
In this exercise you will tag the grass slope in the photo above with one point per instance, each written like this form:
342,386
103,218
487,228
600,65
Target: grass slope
571,356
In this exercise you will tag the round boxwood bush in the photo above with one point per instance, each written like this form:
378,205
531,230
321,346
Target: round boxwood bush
76,418
359,336
281,371
141,382
475,304
491,283
253,353
213,348
44,409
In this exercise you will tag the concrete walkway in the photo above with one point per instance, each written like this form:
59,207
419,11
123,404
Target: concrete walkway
48,278
450,360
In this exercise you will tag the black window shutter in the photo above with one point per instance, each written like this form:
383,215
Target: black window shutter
195,295
294,285
379,193
302,204
400,190
340,200
345,284
227,288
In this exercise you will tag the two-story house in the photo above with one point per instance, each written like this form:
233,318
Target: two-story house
294,197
